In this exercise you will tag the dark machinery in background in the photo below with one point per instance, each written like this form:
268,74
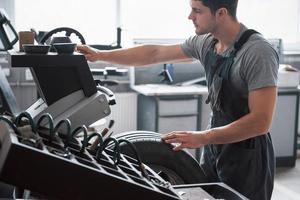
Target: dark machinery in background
40,151
8,35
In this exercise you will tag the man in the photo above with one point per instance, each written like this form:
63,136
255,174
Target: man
242,93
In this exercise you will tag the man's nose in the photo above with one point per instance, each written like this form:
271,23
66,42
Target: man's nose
190,16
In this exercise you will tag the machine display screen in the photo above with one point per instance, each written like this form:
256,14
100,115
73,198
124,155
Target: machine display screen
64,83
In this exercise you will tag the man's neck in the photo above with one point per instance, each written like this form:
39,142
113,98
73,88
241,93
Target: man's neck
226,35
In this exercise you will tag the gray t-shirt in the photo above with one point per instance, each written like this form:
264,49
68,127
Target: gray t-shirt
255,65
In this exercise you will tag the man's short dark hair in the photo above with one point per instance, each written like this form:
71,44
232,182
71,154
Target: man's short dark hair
214,5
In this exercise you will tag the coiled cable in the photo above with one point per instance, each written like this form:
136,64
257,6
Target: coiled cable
51,126
28,132
64,152
11,124
76,132
116,150
67,124
26,115
98,143
135,151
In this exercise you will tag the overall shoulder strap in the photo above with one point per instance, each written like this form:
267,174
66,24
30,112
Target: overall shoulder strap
243,39
225,72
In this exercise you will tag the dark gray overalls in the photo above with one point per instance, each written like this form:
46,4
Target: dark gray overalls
247,166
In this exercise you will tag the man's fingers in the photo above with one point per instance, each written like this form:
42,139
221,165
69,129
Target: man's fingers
79,47
174,140
82,49
180,147
167,137
172,135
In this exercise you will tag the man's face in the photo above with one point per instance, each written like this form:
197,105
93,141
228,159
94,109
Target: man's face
203,20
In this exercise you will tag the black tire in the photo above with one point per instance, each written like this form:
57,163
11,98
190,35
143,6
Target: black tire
175,167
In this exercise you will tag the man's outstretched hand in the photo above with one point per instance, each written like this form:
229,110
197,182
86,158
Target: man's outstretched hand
90,53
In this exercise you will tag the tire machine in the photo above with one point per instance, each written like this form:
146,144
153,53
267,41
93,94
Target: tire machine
63,167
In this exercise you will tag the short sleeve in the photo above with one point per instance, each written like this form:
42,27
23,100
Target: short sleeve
260,66
196,46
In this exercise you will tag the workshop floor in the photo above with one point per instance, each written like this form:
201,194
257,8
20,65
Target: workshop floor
287,182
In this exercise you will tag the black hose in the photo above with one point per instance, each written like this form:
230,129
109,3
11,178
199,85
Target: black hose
76,132
28,116
97,143
67,123
11,124
51,126
116,157
135,151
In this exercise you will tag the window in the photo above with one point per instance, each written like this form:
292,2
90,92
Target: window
95,20
273,18
157,18
168,18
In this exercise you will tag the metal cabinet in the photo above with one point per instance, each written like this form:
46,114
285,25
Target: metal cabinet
285,126
167,113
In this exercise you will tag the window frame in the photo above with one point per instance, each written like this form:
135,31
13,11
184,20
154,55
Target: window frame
288,48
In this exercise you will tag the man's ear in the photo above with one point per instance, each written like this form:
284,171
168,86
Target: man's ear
221,12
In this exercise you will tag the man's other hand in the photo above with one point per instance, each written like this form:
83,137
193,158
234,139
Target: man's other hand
186,139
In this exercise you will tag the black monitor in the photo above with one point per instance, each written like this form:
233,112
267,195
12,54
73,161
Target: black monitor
57,76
